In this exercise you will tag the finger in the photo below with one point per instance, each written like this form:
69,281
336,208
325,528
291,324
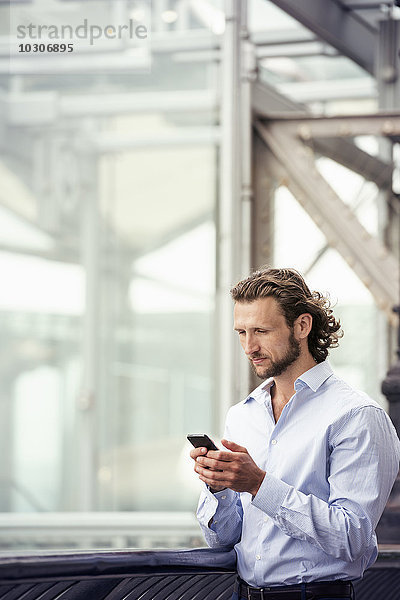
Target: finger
211,477
220,455
211,463
233,447
203,470
196,452
214,486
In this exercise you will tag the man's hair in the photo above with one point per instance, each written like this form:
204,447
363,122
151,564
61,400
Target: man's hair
294,297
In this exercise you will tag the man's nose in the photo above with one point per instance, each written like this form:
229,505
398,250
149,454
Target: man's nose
252,345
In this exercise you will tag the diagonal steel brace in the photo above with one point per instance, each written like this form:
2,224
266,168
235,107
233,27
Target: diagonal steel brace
374,264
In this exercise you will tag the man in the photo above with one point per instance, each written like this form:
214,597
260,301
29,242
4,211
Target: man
308,463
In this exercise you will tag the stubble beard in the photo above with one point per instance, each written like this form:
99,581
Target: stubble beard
278,367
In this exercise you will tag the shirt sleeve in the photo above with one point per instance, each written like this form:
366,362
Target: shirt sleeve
220,517
362,466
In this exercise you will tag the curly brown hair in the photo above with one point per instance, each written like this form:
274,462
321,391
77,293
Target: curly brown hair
290,290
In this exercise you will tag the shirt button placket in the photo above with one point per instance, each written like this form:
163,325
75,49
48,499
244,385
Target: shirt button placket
258,567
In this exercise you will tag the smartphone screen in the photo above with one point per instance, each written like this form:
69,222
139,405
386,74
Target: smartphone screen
201,440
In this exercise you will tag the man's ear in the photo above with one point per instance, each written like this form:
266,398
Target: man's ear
303,325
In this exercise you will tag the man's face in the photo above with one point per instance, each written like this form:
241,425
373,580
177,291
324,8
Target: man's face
265,337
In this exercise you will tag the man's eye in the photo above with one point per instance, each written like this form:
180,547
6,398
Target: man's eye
261,331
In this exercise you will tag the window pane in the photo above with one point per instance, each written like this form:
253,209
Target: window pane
107,256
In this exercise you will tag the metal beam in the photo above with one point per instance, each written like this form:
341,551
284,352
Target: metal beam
46,108
87,402
374,264
346,153
387,64
263,204
272,102
248,72
297,50
268,102
387,75
337,89
229,211
332,22
281,36
386,124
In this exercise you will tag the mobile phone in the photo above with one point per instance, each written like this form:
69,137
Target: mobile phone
201,440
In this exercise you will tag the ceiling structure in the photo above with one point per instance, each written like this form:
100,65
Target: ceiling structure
327,52
350,26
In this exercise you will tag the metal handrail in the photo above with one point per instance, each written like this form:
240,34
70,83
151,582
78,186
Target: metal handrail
29,565
148,575
198,574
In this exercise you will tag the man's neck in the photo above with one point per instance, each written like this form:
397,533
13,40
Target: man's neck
284,384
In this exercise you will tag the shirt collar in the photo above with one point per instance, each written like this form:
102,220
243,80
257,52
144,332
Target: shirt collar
313,378
259,393
316,376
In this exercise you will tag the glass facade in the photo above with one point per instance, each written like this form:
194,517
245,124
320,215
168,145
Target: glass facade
112,249
107,236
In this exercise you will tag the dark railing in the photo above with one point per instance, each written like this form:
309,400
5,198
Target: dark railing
153,575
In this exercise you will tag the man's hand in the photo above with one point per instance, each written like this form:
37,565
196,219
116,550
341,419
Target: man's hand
196,453
235,470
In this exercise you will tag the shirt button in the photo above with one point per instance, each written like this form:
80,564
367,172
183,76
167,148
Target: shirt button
265,519
258,557
273,442
223,497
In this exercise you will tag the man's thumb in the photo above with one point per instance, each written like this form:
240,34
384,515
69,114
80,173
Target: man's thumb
233,447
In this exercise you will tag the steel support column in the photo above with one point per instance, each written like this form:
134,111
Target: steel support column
248,75
229,213
388,65
265,184
387,76
389,90
86,480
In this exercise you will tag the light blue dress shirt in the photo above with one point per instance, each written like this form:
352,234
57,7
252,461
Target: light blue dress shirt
330,462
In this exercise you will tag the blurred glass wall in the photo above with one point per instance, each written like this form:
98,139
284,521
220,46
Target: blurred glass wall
108,179
111,163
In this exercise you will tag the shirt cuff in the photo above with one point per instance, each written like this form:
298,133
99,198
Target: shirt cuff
227,495
209,503
271,494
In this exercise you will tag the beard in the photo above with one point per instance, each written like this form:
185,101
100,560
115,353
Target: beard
278,367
